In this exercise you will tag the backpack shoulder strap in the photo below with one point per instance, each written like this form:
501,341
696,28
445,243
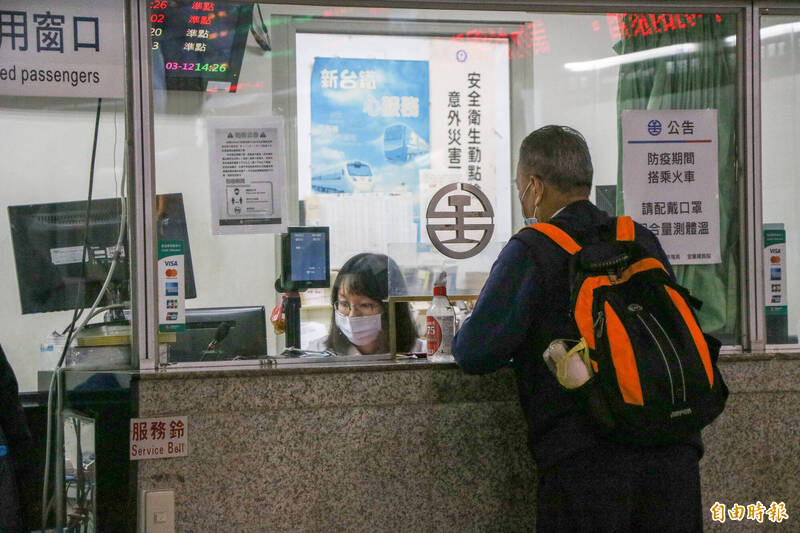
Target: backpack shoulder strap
626,231
557,235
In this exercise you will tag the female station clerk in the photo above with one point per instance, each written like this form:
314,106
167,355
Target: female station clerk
360,320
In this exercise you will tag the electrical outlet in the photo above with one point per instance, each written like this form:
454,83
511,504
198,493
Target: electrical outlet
159,511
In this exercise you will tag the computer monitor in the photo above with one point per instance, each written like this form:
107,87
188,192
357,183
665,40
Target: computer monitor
221,333
305,253
48,243
199,42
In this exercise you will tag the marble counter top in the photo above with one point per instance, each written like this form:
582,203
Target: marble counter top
382,362
295,366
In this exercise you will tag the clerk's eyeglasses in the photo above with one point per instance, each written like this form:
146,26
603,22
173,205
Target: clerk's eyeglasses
362,309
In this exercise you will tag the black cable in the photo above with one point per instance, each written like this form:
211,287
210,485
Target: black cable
79,300
79,306
263,41
80,480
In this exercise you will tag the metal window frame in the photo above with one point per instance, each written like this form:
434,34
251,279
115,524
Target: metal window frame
144,293
762,9
752,326
756,319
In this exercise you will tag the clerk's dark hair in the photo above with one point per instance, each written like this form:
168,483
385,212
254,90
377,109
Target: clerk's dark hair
559,156
369,275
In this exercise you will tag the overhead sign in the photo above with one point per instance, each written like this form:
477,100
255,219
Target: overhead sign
460,239
72,48
157,438
670,180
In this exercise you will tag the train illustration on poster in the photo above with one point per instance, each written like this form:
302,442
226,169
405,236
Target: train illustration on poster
345,177
401,144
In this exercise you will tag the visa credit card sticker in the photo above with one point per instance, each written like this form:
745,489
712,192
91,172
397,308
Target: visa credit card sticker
775,270
171,286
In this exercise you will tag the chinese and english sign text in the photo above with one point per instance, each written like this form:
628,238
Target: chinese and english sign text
68,48
670,180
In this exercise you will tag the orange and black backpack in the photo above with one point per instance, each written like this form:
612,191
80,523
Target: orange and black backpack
655,375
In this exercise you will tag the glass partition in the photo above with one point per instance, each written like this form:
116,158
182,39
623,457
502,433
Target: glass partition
220,180
396,118
589,71
65,260
636,85
780,105
370,113
268,115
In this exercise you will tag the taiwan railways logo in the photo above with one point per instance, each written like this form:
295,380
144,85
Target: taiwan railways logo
654,127
459,228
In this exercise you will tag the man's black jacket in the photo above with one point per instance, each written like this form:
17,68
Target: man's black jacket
524,305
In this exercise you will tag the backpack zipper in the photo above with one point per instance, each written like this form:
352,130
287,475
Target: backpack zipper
663,356
599,322
677,357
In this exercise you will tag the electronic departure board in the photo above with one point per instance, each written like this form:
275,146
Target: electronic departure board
198,42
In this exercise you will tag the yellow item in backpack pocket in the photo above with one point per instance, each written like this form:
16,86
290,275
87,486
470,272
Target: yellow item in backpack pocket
571,367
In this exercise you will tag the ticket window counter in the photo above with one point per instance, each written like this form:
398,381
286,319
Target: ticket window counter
582,69
576,68
442,97
482,80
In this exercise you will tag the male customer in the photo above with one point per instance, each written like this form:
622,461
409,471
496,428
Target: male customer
586,483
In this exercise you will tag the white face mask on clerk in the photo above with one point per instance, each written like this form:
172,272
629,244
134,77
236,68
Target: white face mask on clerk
359,330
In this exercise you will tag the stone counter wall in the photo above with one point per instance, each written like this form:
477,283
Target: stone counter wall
420,448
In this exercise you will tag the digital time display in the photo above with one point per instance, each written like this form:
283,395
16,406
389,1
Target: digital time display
199,67
197,42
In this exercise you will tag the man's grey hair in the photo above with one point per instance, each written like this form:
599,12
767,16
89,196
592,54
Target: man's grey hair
559,156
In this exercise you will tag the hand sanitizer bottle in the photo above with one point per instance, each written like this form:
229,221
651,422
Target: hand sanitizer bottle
441,324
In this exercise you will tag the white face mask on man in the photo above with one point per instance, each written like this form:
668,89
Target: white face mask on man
359,330
532,219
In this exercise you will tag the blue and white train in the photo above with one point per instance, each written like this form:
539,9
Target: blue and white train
401,143
346,177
